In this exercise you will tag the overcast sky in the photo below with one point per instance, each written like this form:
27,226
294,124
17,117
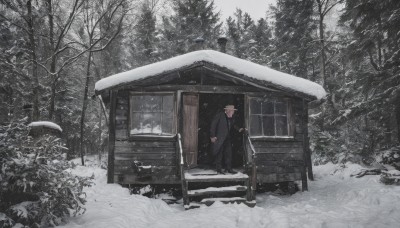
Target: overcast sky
256,8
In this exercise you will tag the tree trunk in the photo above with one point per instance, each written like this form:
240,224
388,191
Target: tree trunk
84,105
36,113
322,43
53,61
99,147
397,111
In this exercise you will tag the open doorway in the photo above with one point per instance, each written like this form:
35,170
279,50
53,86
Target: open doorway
209,105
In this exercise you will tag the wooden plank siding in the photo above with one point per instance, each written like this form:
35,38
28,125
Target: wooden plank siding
277,159
157,155
282,159
158,158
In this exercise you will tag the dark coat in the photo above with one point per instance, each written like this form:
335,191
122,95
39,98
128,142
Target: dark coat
219,129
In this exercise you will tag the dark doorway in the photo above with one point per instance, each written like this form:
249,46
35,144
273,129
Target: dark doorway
209,105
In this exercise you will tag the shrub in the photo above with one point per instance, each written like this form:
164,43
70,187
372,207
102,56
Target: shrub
37,188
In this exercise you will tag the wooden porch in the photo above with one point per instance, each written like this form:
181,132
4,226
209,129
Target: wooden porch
204,186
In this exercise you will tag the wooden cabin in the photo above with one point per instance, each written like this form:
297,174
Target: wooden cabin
159,118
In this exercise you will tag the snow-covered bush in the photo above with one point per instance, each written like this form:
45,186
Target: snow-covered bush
37,188
391,177
391,157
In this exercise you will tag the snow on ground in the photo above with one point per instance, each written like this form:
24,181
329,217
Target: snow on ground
335,200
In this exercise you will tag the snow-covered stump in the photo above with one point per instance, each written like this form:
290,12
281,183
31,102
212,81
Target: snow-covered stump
40,128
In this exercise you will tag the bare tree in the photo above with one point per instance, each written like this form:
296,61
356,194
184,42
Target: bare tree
324,7
58,44
102,21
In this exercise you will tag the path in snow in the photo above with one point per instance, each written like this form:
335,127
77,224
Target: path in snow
334,200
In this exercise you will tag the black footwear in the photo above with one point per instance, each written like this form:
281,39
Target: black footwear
231,171
219,171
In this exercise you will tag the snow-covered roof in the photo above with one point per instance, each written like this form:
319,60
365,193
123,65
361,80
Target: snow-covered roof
47,124
237,65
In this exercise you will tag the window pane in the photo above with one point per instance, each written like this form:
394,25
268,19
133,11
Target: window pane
168,103
268,125
151,103
281,108
268,107
136,123
151,123
152,114
255,125
168,123
146,123
281,126
255,106
137,103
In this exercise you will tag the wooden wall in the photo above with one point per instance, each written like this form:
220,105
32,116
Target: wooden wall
149,160
280,160
155,161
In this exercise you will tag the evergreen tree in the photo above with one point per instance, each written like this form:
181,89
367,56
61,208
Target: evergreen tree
192,19
240,31
294,25
260,49
374,55
144,48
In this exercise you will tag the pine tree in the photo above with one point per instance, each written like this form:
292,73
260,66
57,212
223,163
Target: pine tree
192,19
261,48
240,31
374,54
294,25
144,45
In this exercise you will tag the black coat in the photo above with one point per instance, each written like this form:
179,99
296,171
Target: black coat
219,128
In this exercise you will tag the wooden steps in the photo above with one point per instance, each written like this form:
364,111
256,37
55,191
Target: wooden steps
211,201
216,190
204,187
216,178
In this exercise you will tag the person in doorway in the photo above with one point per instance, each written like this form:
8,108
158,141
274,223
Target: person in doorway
222,127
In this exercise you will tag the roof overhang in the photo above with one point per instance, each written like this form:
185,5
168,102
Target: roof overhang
256,75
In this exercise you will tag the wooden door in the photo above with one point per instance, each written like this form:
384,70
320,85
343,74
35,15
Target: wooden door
190,126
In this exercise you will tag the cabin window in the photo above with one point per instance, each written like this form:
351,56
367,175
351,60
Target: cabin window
152,114
269,118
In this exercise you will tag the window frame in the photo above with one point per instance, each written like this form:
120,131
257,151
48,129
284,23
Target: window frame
153,135
289,118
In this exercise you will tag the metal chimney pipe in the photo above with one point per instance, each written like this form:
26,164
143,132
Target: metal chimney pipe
222,43
199,43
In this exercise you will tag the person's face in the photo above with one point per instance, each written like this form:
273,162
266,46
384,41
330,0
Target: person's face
230,112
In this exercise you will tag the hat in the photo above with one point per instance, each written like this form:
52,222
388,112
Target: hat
230,107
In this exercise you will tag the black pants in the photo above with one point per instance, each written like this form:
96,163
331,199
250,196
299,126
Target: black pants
224,153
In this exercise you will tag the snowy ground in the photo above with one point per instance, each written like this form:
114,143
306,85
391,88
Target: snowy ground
335,200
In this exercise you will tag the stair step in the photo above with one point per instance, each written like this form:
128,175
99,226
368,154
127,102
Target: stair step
193,205
215,190
214,178
210,201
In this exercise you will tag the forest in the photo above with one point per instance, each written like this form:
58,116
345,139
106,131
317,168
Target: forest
53,52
